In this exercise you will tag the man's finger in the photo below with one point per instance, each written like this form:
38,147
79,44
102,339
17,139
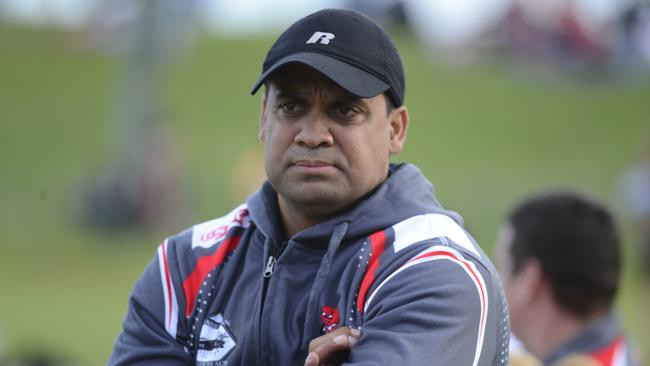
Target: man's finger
329,351
312,359
324,350
326,338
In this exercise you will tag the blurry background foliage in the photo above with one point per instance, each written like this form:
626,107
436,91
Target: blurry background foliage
486,133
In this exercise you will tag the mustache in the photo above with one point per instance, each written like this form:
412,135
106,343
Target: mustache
313,157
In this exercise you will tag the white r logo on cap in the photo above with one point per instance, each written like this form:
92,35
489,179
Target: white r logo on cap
324,37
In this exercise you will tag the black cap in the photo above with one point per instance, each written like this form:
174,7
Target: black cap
345,46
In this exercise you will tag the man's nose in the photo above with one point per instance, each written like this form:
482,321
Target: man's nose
314,131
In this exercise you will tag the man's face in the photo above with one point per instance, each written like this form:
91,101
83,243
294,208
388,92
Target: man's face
324,148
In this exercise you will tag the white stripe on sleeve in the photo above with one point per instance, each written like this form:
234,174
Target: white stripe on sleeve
169,295
428,226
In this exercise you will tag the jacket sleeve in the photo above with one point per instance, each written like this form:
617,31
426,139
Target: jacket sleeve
148,334
440,309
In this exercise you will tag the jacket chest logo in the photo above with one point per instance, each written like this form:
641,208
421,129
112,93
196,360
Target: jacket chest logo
215,343
330,318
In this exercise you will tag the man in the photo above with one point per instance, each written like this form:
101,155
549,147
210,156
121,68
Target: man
338,247
560,260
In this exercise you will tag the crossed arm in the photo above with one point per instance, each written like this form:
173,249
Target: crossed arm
430,314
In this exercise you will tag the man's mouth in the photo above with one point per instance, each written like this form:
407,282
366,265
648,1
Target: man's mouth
311,163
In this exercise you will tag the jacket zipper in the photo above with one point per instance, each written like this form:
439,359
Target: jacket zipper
270,266
266,279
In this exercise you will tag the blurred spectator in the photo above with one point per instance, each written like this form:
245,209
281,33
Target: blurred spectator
150,33
139,189
147,193
633,48
635,189
557,34
560,260
578,44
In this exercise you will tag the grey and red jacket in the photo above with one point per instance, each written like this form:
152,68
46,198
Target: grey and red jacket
234,291
603,341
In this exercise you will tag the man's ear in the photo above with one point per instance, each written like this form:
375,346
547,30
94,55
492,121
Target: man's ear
533,283
399,123
262,124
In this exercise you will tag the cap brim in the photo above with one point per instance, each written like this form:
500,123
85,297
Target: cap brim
350,78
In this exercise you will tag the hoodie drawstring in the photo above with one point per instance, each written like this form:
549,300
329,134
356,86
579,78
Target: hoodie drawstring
321,278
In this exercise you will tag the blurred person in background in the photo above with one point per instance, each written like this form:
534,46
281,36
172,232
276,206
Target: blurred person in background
635,191
340,255
559,256
558,34
633,48
141,186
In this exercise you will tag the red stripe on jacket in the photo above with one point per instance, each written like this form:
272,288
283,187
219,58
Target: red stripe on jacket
606,355
205,265
377,243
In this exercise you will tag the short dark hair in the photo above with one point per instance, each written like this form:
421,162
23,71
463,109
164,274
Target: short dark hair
577,243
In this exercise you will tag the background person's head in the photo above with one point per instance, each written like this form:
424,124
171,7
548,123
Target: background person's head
560,258
332,113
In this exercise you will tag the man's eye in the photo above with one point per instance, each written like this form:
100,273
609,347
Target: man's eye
344,111
347,113
289,107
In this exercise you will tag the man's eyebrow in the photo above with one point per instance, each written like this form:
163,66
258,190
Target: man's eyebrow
303,94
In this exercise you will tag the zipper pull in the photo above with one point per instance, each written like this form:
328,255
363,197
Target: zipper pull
270,266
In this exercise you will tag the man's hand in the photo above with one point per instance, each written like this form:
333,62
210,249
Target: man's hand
326,349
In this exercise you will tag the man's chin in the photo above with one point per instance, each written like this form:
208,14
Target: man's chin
314,198
319,196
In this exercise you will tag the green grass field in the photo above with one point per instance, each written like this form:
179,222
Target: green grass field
485,135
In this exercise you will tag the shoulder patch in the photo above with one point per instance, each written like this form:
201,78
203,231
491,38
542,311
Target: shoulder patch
423,227
211,232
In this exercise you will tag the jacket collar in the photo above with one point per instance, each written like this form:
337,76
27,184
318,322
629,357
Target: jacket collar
597,335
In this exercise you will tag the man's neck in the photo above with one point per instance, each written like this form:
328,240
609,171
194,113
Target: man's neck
293,221
550,328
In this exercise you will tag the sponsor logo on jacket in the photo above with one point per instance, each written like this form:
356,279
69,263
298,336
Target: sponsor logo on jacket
212,232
